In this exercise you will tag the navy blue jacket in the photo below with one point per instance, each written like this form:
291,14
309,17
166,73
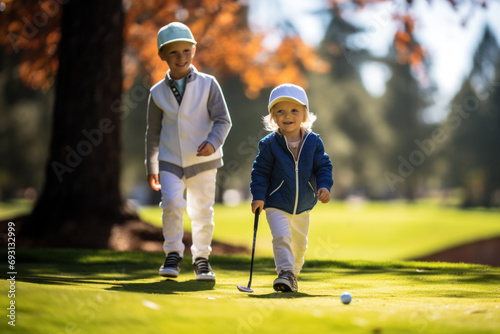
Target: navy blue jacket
275,173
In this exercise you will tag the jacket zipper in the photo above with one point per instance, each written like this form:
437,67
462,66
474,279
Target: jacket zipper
312,188
296,171
275,190
296,184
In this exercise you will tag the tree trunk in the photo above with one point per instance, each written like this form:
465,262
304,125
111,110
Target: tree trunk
83,169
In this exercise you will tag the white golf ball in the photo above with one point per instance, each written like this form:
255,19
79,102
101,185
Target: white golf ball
346,298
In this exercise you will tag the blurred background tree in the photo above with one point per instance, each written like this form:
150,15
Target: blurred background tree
473,148
82,173
367,133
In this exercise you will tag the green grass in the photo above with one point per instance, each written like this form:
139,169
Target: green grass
351,248
84,291
14,209
372,231
346,231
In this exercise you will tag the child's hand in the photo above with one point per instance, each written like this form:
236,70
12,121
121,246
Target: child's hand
205,149
257,204
154,182
323,195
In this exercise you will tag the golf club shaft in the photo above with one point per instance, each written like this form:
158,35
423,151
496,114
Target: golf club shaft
255,225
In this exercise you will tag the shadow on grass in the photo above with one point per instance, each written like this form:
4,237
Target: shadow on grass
125,270
433,272
81,266
287,295
165,287
112,268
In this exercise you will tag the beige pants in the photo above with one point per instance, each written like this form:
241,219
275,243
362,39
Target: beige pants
289,239
200,198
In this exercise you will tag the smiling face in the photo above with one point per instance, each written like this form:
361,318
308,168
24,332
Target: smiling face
179,56
289,117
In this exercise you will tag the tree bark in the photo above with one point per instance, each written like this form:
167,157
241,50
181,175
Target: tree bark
82,177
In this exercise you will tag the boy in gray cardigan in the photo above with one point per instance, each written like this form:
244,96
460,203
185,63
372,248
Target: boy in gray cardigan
187,124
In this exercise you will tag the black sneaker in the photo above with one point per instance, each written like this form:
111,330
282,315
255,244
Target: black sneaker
286,282
171,266
202,270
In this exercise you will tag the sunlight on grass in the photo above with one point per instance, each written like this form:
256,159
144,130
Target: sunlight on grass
15,208
374,231
344,230
85,291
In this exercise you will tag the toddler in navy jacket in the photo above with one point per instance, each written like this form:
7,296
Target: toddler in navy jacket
290,174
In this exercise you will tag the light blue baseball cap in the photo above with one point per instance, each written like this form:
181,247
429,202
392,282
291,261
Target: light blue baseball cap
174,32
288,92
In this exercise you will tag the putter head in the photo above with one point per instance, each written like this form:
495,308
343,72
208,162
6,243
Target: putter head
244,289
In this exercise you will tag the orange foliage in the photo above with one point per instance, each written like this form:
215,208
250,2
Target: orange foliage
33,28
226,46
409,51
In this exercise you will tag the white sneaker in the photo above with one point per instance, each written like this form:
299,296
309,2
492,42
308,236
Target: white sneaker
172,265
286,282
203,270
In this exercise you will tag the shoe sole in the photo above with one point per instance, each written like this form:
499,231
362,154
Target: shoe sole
168,273
205,277
282,285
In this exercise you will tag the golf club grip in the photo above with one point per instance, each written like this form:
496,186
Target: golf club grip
256,221
255,226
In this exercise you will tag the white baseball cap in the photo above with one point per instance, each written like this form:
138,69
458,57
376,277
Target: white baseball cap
288,92
174,32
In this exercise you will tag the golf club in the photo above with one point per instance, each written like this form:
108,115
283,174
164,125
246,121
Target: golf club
255,225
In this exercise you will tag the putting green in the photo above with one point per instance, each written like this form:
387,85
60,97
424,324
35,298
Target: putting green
369,231
83,291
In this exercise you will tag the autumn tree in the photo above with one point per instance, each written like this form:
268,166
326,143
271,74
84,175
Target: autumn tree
92,50
83,169
78,46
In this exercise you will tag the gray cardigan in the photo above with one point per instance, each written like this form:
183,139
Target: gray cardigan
175,130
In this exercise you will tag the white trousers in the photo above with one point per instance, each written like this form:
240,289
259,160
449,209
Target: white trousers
200,198
289,239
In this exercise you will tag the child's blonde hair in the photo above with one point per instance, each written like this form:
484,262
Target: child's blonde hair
270,124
